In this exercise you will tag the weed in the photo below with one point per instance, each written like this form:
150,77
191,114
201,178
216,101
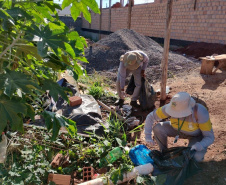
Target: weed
96,91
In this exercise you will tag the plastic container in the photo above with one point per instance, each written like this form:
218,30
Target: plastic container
3,148
112,156
139,155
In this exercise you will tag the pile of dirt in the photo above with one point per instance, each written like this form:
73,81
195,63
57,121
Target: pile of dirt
106,52
203,49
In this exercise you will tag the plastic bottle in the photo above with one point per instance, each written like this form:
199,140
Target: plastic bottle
3,147
139,155
112,156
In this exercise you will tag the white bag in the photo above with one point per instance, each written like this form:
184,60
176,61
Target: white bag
3,148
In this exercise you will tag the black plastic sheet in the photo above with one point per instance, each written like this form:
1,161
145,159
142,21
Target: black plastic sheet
176,163
147,95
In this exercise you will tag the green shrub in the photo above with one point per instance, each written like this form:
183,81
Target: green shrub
96,91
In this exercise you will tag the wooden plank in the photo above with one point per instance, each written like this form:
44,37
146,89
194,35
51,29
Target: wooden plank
110,110
216,57
164,63
206,67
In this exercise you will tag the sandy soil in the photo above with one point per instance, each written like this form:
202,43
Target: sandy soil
211,89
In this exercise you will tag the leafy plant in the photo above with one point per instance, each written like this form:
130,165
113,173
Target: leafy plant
35,47
96,91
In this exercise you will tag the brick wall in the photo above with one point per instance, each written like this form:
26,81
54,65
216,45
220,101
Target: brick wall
207,23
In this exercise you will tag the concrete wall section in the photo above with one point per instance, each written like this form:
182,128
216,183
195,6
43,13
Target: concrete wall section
207,23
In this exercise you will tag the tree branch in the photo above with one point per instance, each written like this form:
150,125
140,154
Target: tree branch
10,46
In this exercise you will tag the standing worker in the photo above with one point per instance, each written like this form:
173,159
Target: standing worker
188,120
134,62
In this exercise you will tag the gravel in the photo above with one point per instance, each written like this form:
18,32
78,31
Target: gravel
105,55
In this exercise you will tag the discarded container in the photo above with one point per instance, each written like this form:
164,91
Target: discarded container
112,156
139,170
139,155
3,148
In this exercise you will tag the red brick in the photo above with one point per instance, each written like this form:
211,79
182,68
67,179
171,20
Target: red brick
59,179
56,161
88,173
75,100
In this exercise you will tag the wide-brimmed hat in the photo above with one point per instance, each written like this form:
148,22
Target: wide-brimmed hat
180,105
132,60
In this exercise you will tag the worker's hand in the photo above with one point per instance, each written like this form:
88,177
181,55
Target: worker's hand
150,142
193,147
142,73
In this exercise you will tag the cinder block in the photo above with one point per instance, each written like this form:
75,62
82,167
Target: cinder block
59,179
88,173
75,100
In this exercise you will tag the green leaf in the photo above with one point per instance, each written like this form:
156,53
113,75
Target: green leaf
54,62
13,80
23,48
9,112
47,38
106,143
55,122
30,111
54,89
119,141
92,4
75,12
8,21
83,8
66,3
18,12
69,49
53,6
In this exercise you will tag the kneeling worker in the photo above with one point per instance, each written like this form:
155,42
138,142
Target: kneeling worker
188,120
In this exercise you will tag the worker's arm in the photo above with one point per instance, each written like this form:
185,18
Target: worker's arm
122,75
206,128
151,118
145,62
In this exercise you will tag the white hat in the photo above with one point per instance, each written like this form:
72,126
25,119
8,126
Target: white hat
132,60
180,105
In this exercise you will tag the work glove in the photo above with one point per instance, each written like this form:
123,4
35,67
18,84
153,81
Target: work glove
193,147
150,142
197,146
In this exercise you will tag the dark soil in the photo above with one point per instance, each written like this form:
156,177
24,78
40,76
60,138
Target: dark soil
203,49
107,51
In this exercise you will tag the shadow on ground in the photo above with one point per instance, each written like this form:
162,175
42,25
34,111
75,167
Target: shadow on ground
212,82
213,173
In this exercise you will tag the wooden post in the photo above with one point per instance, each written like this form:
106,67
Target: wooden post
122,2
100,19
109,23
129,14
164,63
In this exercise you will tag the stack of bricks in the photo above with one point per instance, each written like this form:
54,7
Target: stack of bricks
88,173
